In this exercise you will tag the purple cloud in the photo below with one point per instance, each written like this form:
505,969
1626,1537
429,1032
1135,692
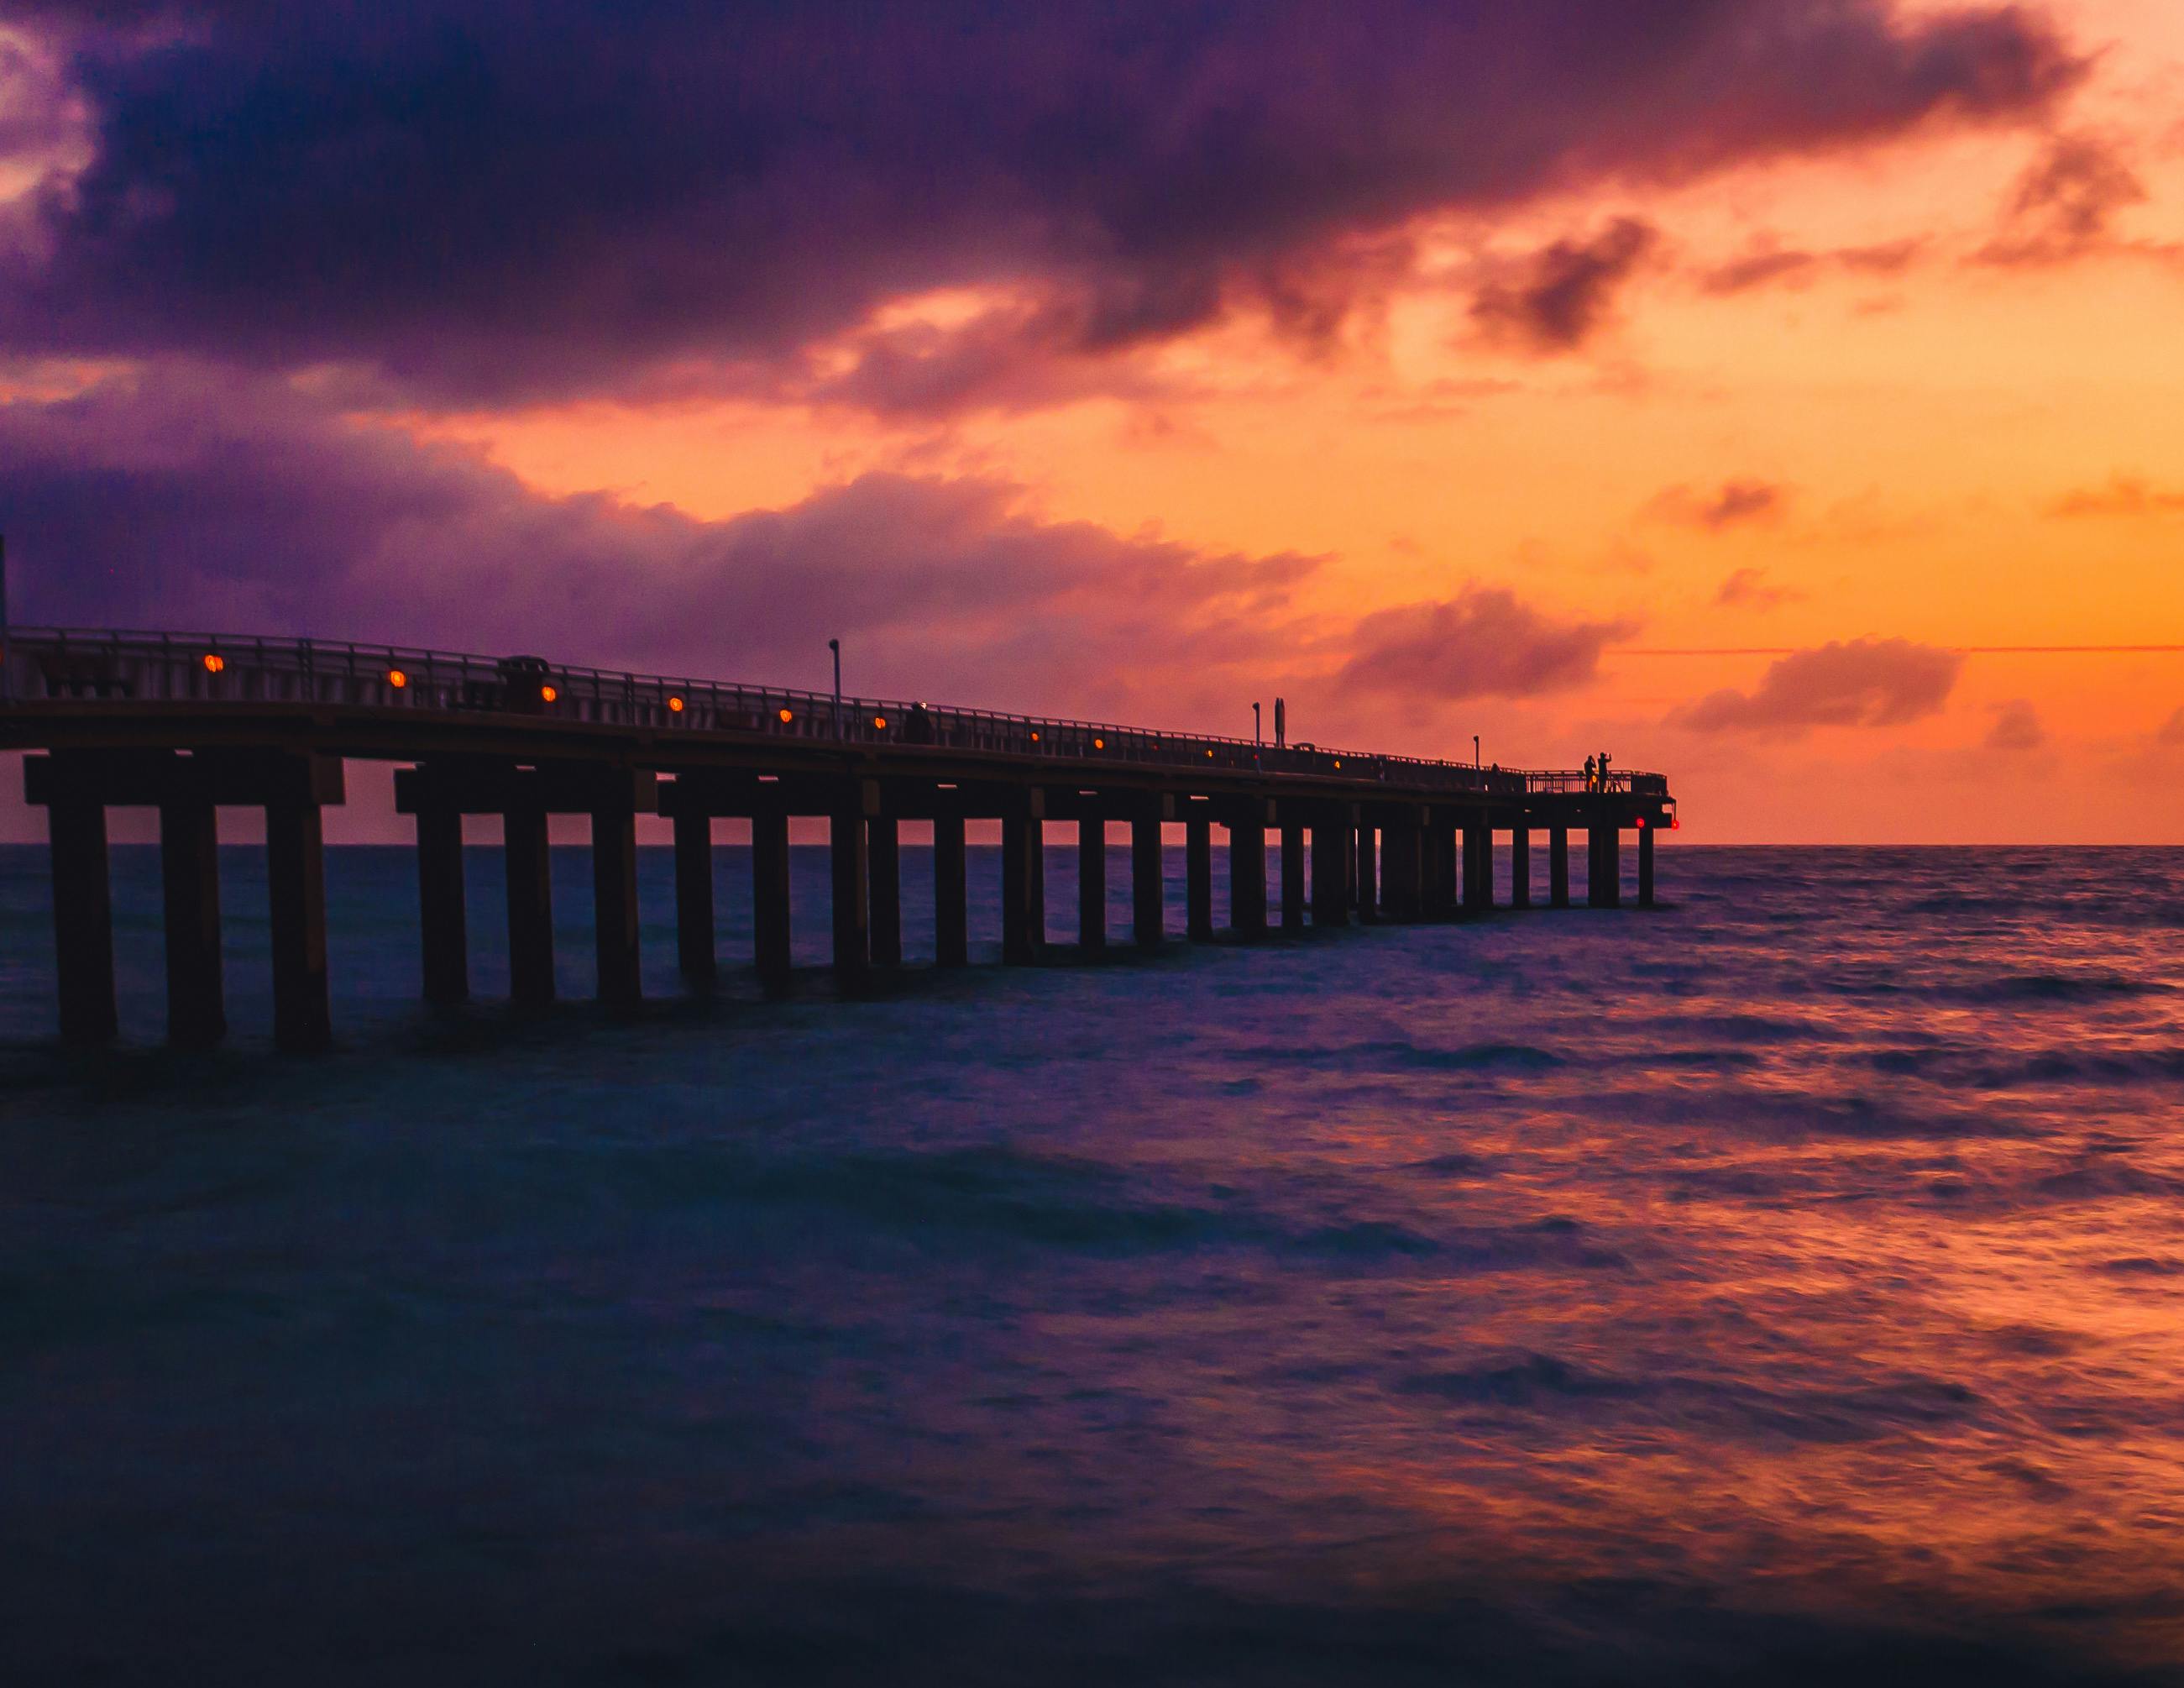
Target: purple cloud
1565,292
188,500
487,201
1862,683
2065,203
1485,642
1750,589
1730,504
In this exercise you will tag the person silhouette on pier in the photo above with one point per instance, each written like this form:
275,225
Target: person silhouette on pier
1603,770
1592,777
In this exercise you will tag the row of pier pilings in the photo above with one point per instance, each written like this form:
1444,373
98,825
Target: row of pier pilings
1395,861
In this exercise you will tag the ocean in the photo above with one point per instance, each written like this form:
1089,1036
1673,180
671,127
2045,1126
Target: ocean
1786,1285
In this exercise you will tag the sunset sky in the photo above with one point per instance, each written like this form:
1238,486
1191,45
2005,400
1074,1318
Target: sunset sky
1742,385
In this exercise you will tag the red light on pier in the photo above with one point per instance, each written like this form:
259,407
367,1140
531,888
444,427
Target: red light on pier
788,716
1035,738
213,662
548,694
1098,743
675,705
879,722
397,678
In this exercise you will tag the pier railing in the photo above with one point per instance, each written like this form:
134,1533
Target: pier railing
99,663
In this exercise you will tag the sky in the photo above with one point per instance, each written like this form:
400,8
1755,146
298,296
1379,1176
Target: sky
1782,394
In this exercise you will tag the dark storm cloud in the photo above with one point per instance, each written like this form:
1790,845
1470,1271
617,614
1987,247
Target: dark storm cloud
492,200
1861,682
1564,292
197,500
1486,642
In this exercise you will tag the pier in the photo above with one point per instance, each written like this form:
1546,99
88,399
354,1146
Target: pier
188,723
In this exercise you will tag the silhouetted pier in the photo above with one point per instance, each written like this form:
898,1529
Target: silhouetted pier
187,723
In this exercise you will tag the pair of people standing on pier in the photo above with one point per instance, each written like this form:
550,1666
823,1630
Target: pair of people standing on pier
1595,772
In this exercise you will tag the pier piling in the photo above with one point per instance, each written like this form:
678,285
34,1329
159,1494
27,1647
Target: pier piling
769,907
696,952
1198,874
1558,895
883,842
1148,877
1091,880
296,889
83,921
529,868
1247,874
952,907
1331,835
851,860
189,873
1293,872
441,918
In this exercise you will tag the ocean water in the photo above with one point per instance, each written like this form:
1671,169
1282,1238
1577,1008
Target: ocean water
1786,1285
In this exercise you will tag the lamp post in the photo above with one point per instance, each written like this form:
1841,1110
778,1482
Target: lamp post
835,645
1474,749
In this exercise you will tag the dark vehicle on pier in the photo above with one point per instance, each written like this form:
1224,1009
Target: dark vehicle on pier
522,685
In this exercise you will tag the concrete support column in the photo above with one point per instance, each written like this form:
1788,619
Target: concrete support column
1399,872
442,922
850,856
1247,878
1368,875
1092,882
1558,866
1198,875
530,907
1023,887
770,898
695,951
952,907
1148,876
1292,877
883,842
1443,892
1646,868
614,903
1520,865
1478,867
1330,871
296,889
189,869
83,921
1611,866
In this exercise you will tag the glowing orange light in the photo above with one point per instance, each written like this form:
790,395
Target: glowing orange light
788,716
1209,755
1035,738
1098,743
675,705
1338,761
548,694
397,678
213,662
880,721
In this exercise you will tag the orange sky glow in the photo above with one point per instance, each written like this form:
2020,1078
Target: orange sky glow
1919,392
